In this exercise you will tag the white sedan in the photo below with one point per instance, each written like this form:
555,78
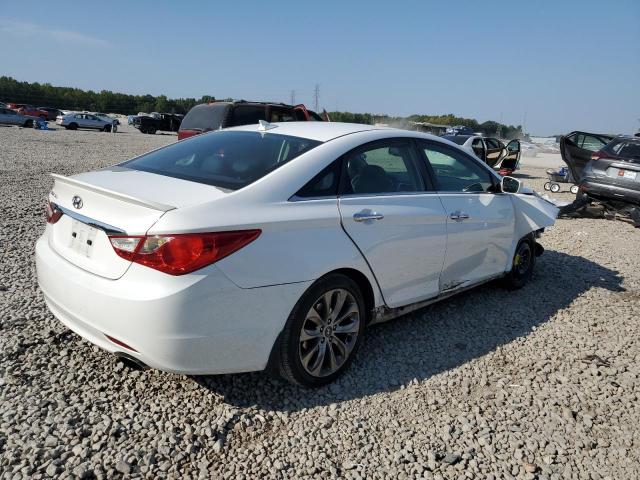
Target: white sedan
275,246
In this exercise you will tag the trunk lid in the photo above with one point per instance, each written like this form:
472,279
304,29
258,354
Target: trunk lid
116,201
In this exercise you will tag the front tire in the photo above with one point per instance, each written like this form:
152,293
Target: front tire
151,130
323,332
524,260
73,126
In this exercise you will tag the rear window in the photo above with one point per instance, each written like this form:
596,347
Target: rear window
205,117
247,115
226,159
624,148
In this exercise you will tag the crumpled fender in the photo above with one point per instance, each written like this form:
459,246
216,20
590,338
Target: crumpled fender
532,213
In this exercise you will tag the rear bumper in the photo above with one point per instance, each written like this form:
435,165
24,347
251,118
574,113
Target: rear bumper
193,324
607,191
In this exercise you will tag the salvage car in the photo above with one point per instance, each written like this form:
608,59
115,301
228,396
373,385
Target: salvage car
156,122
31,111
274,246
8,116
491,151
215,115
73,121
612,173
52,113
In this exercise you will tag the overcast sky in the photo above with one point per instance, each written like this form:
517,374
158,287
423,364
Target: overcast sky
556,66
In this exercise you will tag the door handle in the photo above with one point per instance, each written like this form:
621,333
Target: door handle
459,216
364,216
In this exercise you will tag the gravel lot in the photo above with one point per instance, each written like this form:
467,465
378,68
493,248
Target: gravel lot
540,383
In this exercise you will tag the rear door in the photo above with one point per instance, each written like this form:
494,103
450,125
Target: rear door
480,223
395,219
577,147
494,151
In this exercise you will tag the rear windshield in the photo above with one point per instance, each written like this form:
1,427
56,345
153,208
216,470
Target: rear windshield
205,117
226,159
459,139
624,148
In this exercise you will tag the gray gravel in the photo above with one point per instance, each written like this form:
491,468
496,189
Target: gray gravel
540,383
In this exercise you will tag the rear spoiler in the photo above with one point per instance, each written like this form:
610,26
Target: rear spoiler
110,193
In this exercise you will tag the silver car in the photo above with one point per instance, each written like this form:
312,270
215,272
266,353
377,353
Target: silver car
11,117
73,121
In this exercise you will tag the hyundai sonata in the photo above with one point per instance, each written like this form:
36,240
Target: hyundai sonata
276,245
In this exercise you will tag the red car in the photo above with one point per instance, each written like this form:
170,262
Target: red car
212,116
31,111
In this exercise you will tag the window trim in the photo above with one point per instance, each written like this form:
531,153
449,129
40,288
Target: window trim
494,190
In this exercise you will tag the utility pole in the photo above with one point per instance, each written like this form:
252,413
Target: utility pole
293,97
316,96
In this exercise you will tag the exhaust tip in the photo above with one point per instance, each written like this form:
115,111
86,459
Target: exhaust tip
130,361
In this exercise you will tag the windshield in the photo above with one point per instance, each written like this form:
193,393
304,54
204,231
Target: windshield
226,159
205,117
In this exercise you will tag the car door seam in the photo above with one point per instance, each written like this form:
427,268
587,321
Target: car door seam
373,273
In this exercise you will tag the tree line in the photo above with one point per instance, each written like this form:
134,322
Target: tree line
69,98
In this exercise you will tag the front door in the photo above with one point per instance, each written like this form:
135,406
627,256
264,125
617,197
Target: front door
511,160
396,221
480,223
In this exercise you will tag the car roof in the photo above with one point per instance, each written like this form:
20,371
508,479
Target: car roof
320,131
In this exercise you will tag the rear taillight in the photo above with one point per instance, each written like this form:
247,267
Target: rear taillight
601,156
52,212
181,253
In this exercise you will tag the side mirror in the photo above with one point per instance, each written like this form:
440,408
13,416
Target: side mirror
510,185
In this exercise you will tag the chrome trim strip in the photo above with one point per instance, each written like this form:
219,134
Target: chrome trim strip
105,227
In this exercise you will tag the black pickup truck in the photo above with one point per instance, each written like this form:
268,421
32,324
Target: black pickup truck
166,122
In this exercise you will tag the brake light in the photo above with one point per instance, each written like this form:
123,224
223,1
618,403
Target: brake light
601,155
181,253
52,212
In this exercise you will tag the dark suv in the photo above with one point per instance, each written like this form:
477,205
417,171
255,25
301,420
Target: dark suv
212,116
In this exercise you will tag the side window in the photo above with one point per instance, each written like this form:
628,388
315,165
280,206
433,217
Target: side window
324,184
455,172
247,115
492,143
478,148
591,143
383,167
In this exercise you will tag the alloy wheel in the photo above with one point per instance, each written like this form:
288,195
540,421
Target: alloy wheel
329,332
